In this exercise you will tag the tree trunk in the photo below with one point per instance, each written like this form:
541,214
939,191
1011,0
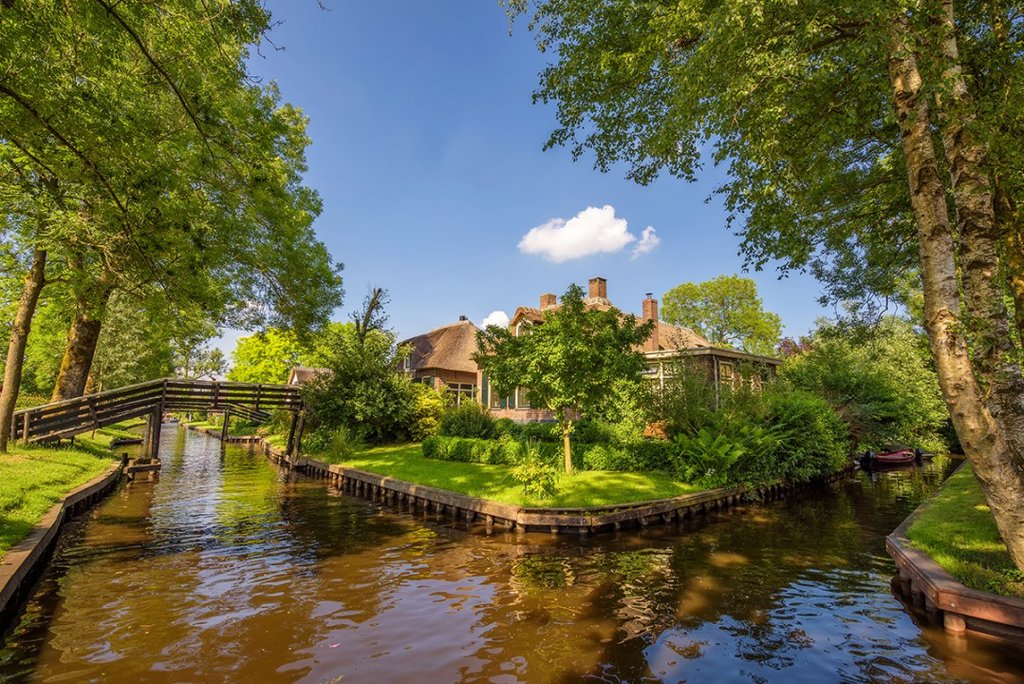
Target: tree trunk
81,348
566,447
34,282
981,433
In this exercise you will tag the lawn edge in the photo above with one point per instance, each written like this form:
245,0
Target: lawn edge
21,564
410,496
927,585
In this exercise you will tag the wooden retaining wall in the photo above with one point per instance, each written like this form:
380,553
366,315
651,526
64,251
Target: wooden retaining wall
216,434
925,584
22,564
420,499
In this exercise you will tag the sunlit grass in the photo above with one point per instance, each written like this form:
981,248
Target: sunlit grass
957,530
34,478
581,490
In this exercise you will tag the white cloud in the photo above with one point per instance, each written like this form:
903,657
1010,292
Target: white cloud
498,318
592,231
648,241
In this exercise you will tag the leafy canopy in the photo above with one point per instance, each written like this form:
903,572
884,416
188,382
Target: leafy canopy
570,362
727,311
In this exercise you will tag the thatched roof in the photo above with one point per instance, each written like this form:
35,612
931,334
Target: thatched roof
450,347
300,375
677,337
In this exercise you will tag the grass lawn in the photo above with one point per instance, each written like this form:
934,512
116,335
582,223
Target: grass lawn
34,478
956,529
584,488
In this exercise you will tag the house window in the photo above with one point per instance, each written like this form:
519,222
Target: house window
725,373
522,328
462,392
427,380
522,398
407,363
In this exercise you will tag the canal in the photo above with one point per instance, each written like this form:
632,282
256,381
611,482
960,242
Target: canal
227,568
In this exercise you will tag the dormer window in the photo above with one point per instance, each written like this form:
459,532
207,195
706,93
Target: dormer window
523,328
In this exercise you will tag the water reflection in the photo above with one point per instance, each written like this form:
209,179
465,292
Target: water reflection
227,568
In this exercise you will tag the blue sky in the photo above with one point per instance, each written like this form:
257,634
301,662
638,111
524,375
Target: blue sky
427,151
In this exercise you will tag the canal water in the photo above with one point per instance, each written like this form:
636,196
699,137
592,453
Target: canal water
228,568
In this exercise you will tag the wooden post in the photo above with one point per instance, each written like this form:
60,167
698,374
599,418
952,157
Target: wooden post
224,427
291,433
154,442
297,446
24,428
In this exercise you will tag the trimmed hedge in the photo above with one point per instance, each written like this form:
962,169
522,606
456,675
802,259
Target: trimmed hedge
640,457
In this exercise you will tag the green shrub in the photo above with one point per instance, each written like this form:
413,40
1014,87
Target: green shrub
345,442
428,407
504,451
468,420
707,458
813,439
536,477
606,457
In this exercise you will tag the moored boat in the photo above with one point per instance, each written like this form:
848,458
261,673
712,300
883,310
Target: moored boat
897,457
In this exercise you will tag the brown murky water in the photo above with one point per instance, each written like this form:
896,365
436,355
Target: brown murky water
229,569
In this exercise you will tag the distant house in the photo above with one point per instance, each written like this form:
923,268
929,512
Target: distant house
666,348
443,359
300,375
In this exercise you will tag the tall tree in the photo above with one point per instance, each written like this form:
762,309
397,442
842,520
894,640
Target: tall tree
727,311
570,363
847,128
138,152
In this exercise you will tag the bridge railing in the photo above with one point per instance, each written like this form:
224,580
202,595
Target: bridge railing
74,416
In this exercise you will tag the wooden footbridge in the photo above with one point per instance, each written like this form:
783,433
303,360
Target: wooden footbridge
152,400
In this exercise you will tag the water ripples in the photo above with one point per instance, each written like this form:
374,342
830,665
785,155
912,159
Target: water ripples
228,569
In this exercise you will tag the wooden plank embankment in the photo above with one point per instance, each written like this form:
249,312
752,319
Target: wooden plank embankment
461,507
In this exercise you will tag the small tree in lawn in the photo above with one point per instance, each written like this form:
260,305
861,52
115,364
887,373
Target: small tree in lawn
569,363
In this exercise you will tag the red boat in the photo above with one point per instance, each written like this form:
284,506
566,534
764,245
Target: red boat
883,459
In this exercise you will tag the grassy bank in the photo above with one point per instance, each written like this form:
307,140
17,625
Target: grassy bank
584,488
956,529
34,478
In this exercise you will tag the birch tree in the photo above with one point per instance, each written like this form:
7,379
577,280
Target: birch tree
877,139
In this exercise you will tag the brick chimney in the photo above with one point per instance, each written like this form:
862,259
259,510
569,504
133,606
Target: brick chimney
547,301
598,288
650,313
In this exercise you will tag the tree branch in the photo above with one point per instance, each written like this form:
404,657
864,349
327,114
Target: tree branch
67,143
156,65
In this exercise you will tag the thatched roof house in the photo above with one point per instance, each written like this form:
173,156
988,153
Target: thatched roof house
443,358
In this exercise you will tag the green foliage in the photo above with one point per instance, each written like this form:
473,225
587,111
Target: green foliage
780,433
570,362
881,382
340,442
360,389
537,478
726,311
687,400
428,408
503,451
468,420
267,356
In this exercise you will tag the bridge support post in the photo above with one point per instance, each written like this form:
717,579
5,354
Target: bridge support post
291,433
297,443
224,427
155,421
